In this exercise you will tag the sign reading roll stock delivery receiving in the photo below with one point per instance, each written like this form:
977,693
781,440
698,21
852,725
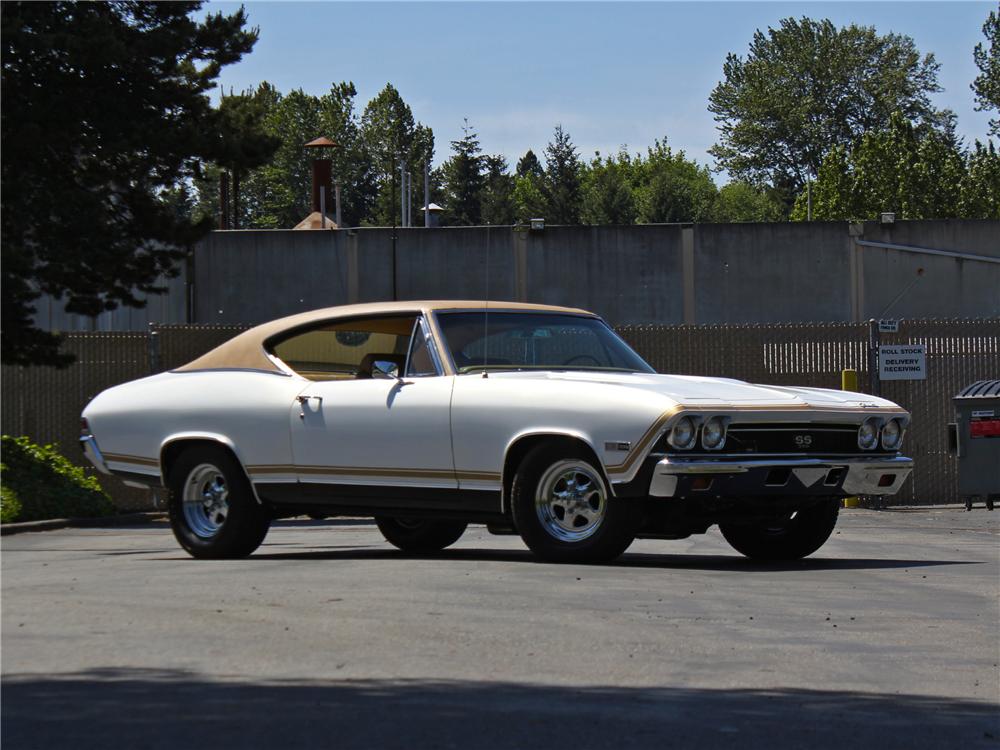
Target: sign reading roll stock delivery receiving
902,362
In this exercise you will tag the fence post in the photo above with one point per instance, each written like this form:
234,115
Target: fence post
153,349
874,383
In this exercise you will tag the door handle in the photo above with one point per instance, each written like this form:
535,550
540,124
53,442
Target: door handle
303,400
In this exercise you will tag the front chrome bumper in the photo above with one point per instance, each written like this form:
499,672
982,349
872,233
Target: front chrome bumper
673,477
93,453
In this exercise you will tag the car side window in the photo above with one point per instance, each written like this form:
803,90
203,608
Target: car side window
346,350
421,362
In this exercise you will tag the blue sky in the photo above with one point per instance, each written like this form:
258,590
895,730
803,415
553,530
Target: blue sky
611,73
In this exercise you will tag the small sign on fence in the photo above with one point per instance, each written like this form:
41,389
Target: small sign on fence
902,362
888,325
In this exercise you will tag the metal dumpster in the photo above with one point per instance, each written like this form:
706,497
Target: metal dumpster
974,437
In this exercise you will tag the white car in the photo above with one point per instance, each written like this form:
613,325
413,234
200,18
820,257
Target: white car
532,419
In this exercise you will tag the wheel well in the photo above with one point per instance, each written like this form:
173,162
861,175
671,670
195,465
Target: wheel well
171,451
523,446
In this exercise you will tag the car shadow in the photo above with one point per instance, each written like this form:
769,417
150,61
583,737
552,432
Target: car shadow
154,709
628,560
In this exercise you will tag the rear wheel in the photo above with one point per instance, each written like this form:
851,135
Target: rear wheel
564,512
418,535
791,537
213,512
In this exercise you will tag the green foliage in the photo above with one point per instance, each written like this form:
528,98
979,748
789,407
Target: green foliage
528,165
391,136
106,107
740,201
47,485
277,195
607,191
672,188
10,506
561,183
986,86
529,202
463,180
980,187
807,87
917,172
498,192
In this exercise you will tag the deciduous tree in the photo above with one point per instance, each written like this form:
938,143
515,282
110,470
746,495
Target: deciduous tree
808,86
987,83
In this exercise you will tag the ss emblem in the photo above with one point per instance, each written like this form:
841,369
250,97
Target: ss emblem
803,441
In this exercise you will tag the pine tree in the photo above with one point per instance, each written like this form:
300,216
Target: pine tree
463,180
561,185
106,107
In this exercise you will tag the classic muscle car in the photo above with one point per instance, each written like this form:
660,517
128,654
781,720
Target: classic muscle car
532,419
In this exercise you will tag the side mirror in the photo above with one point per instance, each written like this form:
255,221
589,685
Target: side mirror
384,369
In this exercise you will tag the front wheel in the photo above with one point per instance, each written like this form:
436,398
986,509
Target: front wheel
792,537
213,512
564,512
420,536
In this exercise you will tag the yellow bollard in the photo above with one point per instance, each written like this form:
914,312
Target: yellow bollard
849,382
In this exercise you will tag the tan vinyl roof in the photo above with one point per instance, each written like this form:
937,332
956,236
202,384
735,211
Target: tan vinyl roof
246,351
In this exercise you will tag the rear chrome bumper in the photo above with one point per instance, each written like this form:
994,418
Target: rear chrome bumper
675,477
93,453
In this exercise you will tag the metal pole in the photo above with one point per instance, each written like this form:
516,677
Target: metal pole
393,195
874,383
427,194
809,200
322,207
402,193
409,199
336,193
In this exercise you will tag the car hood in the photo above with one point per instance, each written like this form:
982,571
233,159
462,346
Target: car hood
690,390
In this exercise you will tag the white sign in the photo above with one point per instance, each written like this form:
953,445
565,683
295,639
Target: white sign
888,326
902,362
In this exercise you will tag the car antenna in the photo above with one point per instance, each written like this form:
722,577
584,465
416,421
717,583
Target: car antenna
486,313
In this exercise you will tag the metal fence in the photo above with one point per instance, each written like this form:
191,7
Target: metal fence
45,404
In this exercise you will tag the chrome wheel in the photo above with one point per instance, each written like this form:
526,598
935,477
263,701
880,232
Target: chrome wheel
205,500
571,501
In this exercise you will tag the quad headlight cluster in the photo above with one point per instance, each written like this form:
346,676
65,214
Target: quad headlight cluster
872,432
684,434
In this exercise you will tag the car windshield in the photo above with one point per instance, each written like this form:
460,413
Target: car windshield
530,341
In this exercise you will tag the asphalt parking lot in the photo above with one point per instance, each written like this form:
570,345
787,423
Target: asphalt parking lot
889,637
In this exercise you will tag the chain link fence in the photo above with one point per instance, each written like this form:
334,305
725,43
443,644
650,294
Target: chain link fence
45,404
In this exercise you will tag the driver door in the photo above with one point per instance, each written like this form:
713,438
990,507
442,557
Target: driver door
355,428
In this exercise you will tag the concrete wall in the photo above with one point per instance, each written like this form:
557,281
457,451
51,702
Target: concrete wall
705,273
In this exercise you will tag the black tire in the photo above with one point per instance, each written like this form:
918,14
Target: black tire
420,536
608,527
791,539
223,533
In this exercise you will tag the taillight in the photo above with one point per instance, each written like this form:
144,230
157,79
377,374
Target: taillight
84,427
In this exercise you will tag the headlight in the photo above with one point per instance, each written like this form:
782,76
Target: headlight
868,434
713,434
683,434
892,435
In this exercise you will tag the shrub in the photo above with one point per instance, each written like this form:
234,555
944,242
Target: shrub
10,506
44,484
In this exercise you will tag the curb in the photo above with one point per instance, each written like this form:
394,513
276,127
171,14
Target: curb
124,519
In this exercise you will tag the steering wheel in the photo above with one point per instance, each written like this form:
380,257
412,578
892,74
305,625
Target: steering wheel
591,357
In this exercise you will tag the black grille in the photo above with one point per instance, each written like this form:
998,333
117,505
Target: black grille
784,438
